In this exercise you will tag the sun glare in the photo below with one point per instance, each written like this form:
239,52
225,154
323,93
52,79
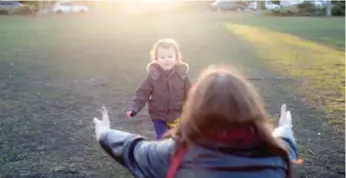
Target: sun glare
150,6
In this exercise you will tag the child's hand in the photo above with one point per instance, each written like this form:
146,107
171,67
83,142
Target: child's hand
102,125
130,114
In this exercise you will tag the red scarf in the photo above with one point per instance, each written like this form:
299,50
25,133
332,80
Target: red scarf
235,137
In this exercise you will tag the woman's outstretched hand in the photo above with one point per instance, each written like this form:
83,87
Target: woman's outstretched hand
102,125
285,117
284,128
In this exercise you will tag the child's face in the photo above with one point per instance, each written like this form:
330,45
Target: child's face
166,58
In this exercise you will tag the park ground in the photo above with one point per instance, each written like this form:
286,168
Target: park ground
56,71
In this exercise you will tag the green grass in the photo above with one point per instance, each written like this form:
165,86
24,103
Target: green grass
327,31
298,49
63,68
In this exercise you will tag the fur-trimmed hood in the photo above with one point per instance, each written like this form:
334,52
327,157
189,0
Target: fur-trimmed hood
155,70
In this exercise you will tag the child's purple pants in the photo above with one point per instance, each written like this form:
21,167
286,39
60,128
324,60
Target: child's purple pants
160,128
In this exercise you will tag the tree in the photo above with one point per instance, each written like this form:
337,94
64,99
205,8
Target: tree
338,8
276,2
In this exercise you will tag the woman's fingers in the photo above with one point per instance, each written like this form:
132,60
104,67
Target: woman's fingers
282,114
283,110
96,121
105,117
288,120
285,117
101,125
104,113
103,108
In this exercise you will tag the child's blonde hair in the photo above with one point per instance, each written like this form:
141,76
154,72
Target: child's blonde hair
166,43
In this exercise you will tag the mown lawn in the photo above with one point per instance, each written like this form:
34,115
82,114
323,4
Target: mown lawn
326,31
56,71
309,49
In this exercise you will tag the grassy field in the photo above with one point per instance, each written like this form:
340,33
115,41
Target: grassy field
56,71
319,66
324,31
